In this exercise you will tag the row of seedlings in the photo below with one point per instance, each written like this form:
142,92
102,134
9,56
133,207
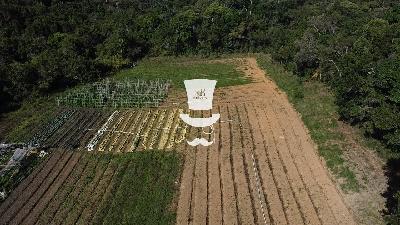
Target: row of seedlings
46,131
93,142
130,130
174,130
117,136
156,130
138,131
147,131
110,93
164,135
104,144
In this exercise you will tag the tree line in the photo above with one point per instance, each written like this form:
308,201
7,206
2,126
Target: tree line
351,45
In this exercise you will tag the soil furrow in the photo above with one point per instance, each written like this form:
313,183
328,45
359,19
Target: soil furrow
200,185
47,197
283,144
87,191
72,197
214,180
62,193
230,214
186,189
92,130
291,206
317,197
339,209
243,190
260,208
271,190
88,213
96,194
103,208
73,137
67,124
31,189
66,129
23,185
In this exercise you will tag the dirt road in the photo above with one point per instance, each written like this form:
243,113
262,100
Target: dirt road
263,167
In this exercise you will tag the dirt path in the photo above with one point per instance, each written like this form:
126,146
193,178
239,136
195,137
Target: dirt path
263,167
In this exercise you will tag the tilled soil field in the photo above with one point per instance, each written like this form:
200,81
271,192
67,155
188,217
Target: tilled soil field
263,167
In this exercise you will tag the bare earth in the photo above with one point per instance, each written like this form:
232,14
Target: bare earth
263,167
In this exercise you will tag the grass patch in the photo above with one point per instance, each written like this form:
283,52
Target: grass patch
316,103
147,189
22,123
178,70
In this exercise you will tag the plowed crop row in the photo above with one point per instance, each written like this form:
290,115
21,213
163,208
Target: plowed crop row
75,187
77,130
143,129
262,168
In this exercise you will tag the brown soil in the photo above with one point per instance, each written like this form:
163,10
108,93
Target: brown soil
263,167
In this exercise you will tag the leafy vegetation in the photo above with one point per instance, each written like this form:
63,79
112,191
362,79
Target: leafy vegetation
351,45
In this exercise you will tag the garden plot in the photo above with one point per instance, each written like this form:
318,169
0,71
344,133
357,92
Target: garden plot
74,187
140,129
117,94
78,129
262,168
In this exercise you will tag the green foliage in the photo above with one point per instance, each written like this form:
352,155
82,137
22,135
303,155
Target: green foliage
146,191
394,219
316,104
179,69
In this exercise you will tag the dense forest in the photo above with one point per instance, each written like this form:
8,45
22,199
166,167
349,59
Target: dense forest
351,45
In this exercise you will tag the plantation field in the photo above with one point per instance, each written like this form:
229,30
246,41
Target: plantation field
133,166
83,188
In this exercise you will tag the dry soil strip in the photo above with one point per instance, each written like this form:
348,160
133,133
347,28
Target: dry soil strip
186,188
214,180
229,204
260,208
243,197
306,206
272,192
280,171
339,209
319,200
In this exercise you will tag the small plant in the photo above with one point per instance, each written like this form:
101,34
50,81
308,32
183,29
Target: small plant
117,94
